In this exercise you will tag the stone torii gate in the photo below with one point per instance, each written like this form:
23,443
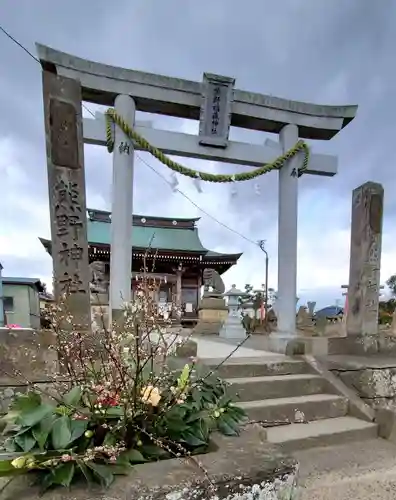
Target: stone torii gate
217,105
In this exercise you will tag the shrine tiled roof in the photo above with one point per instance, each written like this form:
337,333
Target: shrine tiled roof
161,238
158,233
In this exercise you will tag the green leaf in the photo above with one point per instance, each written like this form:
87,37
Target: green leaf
192,439
196,416
225,428
10,445
77,428
61,433
102,472
47,482
132,456
86,472
153,451
63,474
26,402
122,469
184,376
42,430
110,440
26,441
32,417
41,437
73,397
114,411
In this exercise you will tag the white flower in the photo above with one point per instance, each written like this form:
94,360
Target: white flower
151,395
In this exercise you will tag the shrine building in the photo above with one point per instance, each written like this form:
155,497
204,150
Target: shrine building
174,253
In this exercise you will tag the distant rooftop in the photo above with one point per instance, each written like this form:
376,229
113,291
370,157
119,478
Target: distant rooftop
34,282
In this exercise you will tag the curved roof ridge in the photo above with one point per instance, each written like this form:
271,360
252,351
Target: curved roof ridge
145,216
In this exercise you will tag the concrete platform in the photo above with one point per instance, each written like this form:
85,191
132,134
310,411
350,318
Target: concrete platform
352,471
221,349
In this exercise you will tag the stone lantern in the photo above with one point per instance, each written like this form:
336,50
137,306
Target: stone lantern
232,327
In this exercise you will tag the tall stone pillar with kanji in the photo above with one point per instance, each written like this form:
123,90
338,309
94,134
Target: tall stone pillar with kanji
365,261
66,187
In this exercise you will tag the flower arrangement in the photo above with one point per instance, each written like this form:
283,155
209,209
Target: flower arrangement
114,402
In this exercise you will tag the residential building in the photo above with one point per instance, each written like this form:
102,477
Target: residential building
21,301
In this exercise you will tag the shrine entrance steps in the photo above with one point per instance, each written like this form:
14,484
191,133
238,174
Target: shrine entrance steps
299,409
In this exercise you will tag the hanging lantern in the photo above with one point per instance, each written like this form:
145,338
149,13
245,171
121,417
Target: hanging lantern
234,191
174,182
197,183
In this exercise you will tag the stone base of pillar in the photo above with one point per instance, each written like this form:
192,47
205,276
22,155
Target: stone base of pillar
382,343
99,299
233,329
212,314
100,316
296,345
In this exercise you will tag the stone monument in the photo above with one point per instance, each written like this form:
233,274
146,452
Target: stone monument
393,324
212,310
66,183
365,262
304,320
99,295
99,285
311,308
233,327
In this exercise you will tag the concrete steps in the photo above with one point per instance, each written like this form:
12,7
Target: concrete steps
284,390
252,388
258,367
321,432
314,407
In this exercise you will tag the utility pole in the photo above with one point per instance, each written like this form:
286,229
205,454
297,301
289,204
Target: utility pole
261,244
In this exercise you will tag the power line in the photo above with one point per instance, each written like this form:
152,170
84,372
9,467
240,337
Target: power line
14,40
33,57
195,204
19,44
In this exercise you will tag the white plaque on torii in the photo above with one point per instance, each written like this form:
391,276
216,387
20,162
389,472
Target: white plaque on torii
159,94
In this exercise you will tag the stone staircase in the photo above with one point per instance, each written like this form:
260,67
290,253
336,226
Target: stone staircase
286,390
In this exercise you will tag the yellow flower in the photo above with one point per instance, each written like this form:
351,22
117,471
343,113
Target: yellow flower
19,463
151,395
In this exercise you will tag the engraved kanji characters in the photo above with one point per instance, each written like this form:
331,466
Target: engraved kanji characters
124,148
70,253
67,197
68,223
71,283
215,108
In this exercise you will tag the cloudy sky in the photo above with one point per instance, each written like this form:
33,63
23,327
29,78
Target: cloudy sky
321,51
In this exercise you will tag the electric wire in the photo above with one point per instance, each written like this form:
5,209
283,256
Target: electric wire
237,233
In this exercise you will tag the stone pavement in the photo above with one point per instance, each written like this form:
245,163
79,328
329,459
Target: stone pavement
218,348
353,471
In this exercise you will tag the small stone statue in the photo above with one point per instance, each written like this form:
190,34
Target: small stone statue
213,284
98,281
311,308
